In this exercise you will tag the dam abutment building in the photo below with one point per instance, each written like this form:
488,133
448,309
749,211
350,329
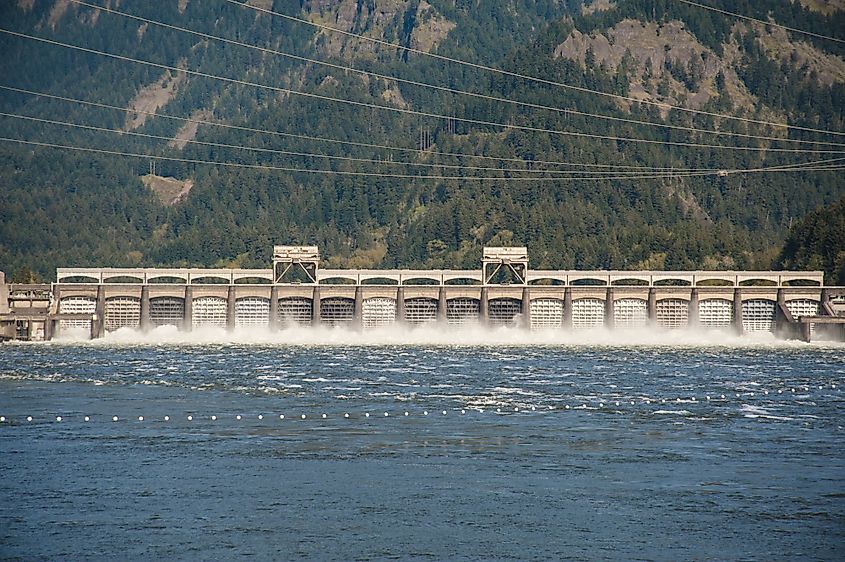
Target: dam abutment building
503,292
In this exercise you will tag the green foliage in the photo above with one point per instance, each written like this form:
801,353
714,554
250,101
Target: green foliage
62,208
818,242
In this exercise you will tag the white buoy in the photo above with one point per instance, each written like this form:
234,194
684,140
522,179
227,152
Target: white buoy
444,412
601,404
346,416
533,409
166,418
425,412
708,398
324,416
260,416
617,403
281,416
386,414
114,418
498,410
481,410
213,418
2,419
238,417
406,414
58,418
190,418
516,409
567,406
722,396
87,418
140,418
29,418
463,412
303,416
367,414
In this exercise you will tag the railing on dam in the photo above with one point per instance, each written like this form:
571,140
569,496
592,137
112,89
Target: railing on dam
442,277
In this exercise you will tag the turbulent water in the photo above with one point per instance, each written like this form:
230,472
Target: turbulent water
408,446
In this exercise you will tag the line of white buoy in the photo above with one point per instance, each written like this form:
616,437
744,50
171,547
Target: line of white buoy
588,404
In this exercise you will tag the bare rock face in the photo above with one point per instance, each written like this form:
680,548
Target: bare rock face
665,62
781,47
824,6
379,19
153,97
430,29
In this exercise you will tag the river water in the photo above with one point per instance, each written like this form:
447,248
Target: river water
216,448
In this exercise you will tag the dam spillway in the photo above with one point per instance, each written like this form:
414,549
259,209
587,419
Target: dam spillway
504,292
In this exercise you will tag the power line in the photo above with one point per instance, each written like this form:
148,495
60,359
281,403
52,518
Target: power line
329,140
566,111
266,167
740,16
530,78
315,155
415,112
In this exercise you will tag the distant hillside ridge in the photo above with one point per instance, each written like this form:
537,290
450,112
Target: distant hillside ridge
209,152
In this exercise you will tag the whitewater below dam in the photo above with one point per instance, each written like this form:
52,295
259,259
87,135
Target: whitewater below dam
471,444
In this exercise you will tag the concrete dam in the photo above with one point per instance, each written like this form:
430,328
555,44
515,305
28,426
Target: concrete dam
503,292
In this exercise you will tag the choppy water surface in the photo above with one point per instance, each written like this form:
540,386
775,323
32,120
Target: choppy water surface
485,452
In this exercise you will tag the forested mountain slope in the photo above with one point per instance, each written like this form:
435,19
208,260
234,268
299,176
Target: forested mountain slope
385,172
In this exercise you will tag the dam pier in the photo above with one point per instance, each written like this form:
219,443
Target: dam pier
296,291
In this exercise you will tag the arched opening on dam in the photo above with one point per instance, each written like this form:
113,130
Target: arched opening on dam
630,313
123,280
503,311
672,313
293,311
167,311
546,314
587,313
252,312
803,307
758,315
122,312
462,310
716,313
377,312
209,311
420,310
77,305
337,311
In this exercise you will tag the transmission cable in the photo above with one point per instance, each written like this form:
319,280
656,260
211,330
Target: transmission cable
415,112
749,18
266,167
317,155
329,140
527,77
487,97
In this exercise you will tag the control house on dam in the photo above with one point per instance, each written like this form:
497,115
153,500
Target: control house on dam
503,292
